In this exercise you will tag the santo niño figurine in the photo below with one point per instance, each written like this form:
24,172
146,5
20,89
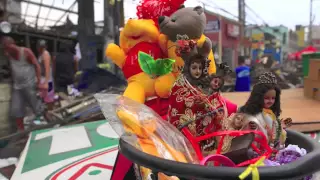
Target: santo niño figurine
189,103
264,106
213,84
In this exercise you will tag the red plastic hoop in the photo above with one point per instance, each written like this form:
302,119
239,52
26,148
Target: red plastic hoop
260,139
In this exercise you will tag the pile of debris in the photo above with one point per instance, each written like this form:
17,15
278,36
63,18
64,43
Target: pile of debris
289,74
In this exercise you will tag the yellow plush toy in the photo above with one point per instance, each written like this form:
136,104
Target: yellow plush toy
140,35
185,23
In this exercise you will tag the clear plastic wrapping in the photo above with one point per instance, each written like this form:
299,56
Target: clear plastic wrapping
144,129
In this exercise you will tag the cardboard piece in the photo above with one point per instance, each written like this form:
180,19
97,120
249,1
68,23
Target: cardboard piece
312,88
314,70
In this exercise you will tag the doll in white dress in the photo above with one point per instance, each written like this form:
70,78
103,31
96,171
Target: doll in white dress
264,108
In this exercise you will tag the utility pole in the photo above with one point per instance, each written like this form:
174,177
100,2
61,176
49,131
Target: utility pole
107,28
86,31
310,23
121,6
220,40
3,13
116,26
116,21
242,20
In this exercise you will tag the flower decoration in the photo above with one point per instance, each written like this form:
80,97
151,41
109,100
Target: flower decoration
153,9
184,44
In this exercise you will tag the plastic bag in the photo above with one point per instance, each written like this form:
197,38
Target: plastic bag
144,129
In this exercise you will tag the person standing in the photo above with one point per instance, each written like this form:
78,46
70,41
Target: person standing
44,59
64,70
25,72
77,56
243,75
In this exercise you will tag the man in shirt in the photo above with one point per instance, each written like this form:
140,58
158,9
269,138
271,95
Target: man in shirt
77,56
243,75
44,60
25,72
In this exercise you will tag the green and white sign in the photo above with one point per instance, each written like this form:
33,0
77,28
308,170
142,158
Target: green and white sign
84,151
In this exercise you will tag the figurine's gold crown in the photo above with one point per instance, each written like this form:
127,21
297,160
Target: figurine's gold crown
267,78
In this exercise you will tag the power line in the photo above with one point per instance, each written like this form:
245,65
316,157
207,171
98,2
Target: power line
246,21
256,14
310,23
206,5
222,9
226,11
217,7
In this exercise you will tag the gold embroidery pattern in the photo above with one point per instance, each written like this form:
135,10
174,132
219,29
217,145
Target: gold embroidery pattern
180,81
189,116
206,121
181,94
174,112
189,102
215,103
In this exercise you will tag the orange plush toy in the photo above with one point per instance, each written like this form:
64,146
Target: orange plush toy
143,35
140,35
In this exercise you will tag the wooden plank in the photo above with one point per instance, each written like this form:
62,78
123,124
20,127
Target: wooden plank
293,104
306,128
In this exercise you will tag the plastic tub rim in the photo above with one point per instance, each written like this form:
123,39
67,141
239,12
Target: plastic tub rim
295,169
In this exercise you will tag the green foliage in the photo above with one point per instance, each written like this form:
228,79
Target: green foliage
153,67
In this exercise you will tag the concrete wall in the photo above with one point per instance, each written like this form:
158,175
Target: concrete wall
316,36
230,45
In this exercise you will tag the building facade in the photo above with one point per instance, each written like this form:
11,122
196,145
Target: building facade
297,39
230,37
315,38
301,34
273,41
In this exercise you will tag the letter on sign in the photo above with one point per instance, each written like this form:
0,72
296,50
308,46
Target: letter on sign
66,139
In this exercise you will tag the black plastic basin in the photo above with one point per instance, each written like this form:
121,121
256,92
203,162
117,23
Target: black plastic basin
305,166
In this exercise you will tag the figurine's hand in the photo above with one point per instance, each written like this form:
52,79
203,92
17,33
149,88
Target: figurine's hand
253,126
286,122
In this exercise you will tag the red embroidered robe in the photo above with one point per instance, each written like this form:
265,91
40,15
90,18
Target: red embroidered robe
184,107
219,105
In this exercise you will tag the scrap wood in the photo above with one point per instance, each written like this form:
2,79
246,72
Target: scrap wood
58,121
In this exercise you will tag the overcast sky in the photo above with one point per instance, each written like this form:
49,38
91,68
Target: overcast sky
272,12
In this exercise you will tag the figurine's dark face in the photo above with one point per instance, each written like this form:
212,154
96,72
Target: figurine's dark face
216,83
269,98
196,70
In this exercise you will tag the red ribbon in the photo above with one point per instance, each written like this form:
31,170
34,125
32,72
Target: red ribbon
263,150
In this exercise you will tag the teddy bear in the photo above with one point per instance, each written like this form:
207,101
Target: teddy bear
140,35
185,23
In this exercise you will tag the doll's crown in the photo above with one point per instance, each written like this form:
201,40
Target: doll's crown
267,78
